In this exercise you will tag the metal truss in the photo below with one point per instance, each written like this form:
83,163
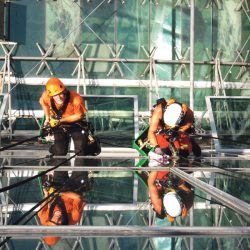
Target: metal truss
154,1
8,49
181,2
241,5
45,54
182,56
6,72
151,69
243,69
115,65
217,3
80,68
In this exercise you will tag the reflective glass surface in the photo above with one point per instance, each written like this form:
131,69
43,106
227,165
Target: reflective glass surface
110,29
231,121
120,197
113,118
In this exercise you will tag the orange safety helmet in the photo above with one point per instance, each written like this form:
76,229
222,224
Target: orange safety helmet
54,86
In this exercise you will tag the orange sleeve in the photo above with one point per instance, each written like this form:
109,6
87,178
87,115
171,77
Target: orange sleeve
44,100
44,215
45,103
77,209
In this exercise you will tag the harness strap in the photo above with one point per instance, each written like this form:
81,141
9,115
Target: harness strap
59,112
59,202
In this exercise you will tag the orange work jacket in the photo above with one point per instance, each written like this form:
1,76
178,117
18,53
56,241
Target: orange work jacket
75,106
74,208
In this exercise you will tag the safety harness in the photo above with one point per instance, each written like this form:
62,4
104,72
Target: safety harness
59,112
58,202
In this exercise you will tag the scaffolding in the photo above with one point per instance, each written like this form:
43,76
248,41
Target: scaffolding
116,224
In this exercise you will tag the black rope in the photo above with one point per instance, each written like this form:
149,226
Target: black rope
213,201
54,194
28,212
36,176
18,143
237,175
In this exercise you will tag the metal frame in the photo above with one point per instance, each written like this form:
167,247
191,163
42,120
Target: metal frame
136,111
216,62
151,61
234,203
218,147
2,110
144,231
123,231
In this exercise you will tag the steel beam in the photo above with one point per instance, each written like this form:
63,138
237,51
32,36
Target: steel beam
192,52
123,231
228,200
127,169
139,206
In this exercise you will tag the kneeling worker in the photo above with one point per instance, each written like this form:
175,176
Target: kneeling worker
65,113
172,121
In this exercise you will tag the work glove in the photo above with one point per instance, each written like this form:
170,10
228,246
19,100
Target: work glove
54,123
157,158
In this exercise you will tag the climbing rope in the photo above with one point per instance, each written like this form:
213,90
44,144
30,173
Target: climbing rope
38,175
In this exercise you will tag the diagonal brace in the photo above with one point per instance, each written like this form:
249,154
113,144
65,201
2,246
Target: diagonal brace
115,65
45,54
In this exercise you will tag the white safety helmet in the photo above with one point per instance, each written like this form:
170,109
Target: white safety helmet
173,115
172,204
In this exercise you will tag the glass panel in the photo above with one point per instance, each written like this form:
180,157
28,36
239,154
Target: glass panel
231,118
113,119
106,26
118,187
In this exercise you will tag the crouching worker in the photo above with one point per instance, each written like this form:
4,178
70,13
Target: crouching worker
170,196
65,114
64,209
170,126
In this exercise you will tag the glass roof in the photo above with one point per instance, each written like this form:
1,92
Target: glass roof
229,117
119,197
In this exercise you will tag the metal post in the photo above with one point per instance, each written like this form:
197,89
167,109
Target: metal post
192,5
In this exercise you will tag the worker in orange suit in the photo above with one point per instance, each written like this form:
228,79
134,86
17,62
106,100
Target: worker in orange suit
64,209
172,122
65,114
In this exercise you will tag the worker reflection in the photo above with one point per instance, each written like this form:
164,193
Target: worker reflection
170,126
64,209
170,196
